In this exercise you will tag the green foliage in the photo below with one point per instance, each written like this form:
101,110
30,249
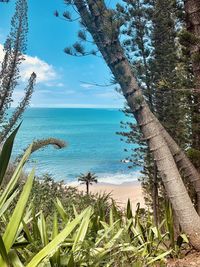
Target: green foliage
46,190
82,35
6,153
139,100
93,236
196,57
13,228
186,38
190,41
194,156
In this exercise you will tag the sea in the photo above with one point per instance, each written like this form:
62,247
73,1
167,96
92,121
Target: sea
92,144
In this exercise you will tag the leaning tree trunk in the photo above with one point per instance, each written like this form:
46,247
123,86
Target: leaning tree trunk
104,29
183,163
192,10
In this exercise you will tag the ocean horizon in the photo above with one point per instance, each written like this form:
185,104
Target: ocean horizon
92,143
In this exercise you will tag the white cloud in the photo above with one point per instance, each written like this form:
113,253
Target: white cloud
58,92
54,84
45,72
86,85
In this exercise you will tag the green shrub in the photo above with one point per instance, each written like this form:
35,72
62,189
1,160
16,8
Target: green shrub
63,232
46,190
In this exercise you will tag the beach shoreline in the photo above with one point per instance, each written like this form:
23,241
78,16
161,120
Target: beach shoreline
119,192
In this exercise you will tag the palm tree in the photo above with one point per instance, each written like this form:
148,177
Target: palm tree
87,179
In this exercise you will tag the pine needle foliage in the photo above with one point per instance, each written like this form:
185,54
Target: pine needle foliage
14,55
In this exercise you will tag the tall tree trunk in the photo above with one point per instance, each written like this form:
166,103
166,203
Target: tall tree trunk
183,163
155,195
100,23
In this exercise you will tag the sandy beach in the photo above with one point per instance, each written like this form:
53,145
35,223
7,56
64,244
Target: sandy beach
121,193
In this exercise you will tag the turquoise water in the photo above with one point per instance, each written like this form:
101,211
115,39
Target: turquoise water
93,144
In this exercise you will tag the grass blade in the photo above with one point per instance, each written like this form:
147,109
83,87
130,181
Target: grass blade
3,252
82,231
11,185
57,241
16,218
6,153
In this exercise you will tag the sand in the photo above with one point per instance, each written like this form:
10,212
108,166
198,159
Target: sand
121,193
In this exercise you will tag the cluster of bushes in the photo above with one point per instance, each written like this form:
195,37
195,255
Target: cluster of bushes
44,223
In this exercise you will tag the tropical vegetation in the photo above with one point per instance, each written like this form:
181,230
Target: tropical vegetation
87,179
99,235
152,49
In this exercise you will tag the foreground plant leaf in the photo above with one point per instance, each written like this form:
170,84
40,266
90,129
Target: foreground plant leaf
58,240
12,228
14,259
80,235
15,178
159,257
3,252
6,153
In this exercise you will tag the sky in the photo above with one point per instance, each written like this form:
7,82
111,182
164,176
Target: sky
62,80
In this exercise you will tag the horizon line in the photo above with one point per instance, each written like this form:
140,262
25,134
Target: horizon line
43,107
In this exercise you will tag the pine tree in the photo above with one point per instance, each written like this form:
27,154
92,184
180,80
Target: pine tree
191,43
152,48
14,55
14,49
138,45
170,103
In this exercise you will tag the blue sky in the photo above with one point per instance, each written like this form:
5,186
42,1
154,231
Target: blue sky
63,81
